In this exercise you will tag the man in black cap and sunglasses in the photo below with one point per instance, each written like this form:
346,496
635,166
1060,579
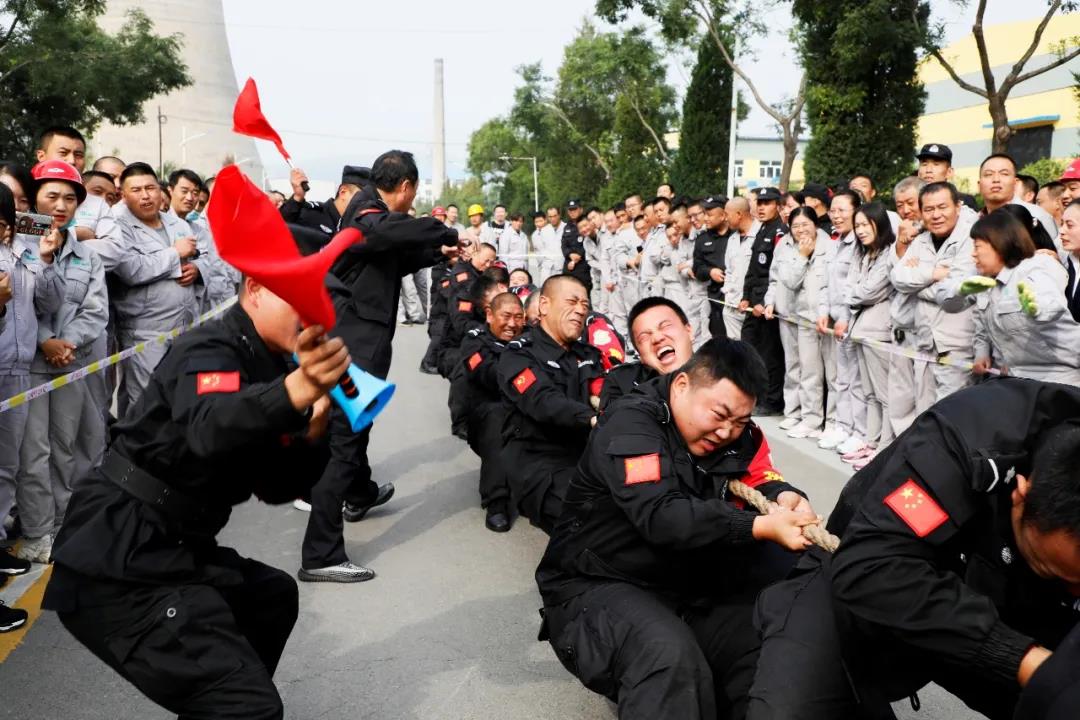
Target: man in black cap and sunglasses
325,216
935,165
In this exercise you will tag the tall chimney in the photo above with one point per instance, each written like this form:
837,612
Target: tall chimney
438,152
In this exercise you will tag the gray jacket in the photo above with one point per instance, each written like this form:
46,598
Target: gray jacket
807,278
513,248
834,301
36,288
779,295
624,249
736,261
84,311
870,295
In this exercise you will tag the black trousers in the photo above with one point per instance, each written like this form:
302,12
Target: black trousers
716,316
347,477
435,329
196,650
812,668
485,438
764,336
538,480
654,658
457,399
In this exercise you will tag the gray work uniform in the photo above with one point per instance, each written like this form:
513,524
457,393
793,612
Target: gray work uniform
870,298
675,283
593,250
513,248
65,429
628,288
736,261
806,278
941,334
782,300
36,288
224,282
649,275
911,382
147,298
850,400
604,272
1045,347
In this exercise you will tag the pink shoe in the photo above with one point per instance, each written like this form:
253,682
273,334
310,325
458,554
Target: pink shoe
861,453
860,464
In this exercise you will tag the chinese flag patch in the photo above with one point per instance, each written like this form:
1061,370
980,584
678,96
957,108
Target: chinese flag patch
474,360
642,469
446,283
462,276
464,306
217,382
524,380
916,508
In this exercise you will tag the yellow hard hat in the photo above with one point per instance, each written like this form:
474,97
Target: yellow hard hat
475,209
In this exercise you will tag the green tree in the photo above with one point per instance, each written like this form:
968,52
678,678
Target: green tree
701,164
1044,170
864,97
57,66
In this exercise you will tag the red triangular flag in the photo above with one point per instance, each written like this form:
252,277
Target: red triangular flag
252,237
248,118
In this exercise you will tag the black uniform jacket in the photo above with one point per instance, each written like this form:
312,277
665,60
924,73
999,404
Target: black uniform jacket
621,381
572,242
547,389
480,353
461,310
640,509
709,249
761,255
323,217
928,553
215,425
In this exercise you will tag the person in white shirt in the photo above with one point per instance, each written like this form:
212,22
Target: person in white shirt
736,260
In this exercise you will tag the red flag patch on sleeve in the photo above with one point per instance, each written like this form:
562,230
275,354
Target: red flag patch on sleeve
217,382
462,276
446,283
524,380
916,508
642,469
474,360
464,306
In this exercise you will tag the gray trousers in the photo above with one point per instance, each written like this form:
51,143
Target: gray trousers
65,436
414,296
789,341
911,387
817,370
949,378
12,431
624,298
598,296
701,312
874,374
733,322
135,372
850,399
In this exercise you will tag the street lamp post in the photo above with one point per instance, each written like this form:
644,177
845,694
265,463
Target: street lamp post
536,178
184,140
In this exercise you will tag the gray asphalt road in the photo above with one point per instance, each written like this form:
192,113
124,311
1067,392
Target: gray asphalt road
446,630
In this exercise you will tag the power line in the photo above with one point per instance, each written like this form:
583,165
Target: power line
331,136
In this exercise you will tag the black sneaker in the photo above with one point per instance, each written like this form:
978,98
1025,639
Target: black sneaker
428,369
11,618
355,513
11,565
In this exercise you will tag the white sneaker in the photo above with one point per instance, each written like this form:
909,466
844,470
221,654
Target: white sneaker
788,423
831,439
802,430
301,505
37,550
853,443
815,434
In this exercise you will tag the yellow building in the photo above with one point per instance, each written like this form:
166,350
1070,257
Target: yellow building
1043,110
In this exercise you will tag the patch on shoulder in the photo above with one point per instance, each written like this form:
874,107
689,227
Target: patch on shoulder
217,382
642,469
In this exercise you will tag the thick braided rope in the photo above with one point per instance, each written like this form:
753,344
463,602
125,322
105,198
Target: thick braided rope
815,533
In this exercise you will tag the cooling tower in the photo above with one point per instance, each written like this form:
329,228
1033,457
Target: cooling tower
201,112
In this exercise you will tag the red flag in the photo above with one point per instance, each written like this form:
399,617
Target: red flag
248,118
252,237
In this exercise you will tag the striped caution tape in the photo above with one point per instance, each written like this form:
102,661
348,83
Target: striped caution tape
99,365
885,347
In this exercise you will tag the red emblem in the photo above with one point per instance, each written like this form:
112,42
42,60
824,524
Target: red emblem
642,469
916,508
474,360
464,306
217,382
524,380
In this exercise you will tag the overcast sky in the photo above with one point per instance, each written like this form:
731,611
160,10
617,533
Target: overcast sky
343,81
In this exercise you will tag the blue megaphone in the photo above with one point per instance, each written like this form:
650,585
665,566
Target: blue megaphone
361,395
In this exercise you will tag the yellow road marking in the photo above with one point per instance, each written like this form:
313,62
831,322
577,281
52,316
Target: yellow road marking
31,603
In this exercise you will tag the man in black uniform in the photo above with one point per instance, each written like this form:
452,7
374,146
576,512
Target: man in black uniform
480,352
459,306
664,340
139,577
649,577
545,377
324,217
573,245
709,264
761,332
959,564
441,274
395,245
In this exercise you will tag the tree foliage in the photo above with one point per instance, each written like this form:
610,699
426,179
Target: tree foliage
1044,170
58,67
864,97
597,129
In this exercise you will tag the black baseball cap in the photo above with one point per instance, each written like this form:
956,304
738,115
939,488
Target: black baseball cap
769,194
573,203
713,201
935,151
817,191
354,175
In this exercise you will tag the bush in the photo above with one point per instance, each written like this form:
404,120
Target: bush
1044,170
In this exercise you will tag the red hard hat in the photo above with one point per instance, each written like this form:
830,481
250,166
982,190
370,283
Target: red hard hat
438,210
1072,172
47,170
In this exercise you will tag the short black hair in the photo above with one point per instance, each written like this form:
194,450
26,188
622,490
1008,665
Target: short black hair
1003,156
592,209
648,304
864,175
484,284
556,208
393,168
91,174
1053,502
7,207
1040,237
22,176
669,186
527,273
451,205
935,187
657,200
516,216
1030,183
538,214
104,158
137,168
67,131
855,198
619,207
497,273
500,205
722,358
184,174
558,279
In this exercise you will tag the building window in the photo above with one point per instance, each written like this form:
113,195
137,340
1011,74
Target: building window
738,168
1031,143
769,169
